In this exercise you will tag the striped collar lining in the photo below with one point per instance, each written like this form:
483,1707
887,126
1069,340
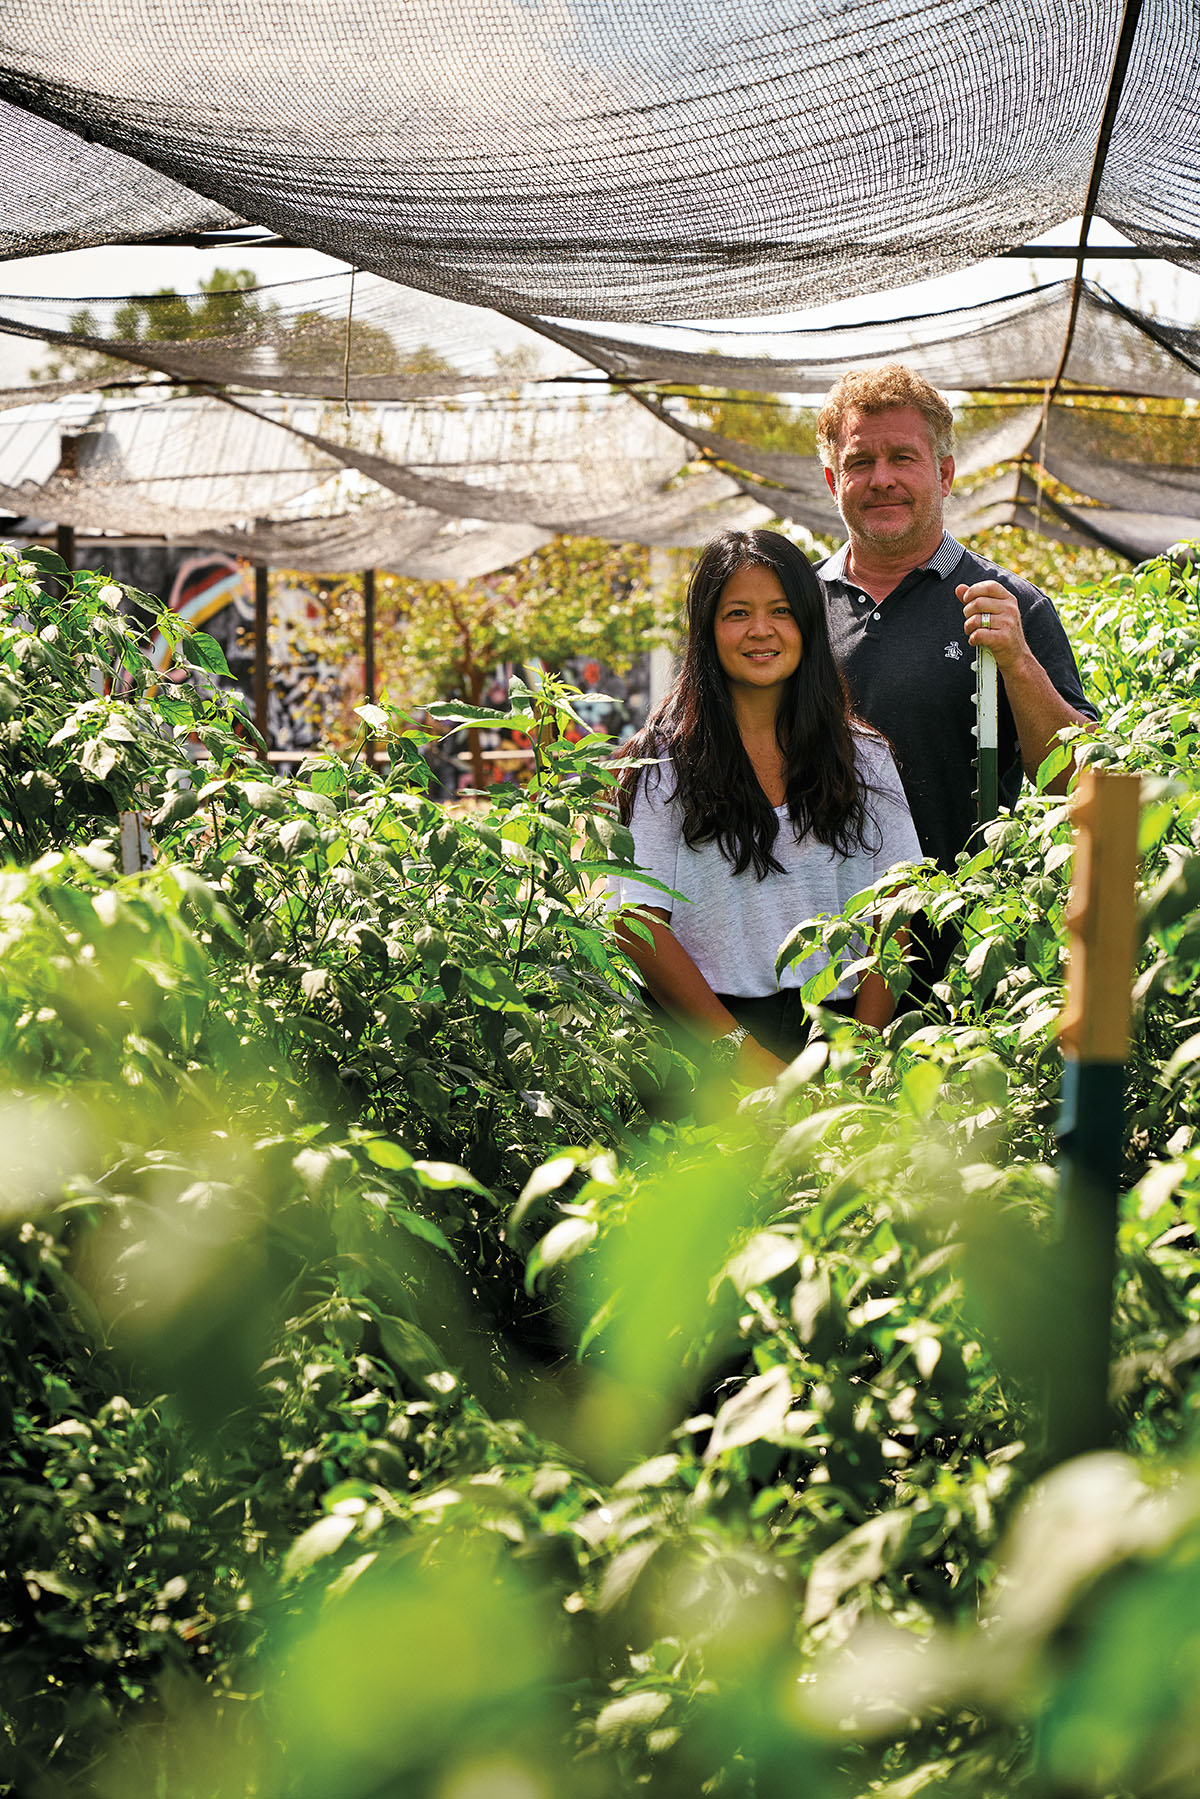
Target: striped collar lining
945,558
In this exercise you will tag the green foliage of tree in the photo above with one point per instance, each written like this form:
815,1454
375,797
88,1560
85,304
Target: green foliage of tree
315,343
754,419
228,305
576,596
447,640
396,1409
163,316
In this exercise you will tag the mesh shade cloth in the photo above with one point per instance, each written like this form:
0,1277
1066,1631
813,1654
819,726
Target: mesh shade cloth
292,338
277,484
628,160
405,540
508,432
62,194
1009,342
1133,461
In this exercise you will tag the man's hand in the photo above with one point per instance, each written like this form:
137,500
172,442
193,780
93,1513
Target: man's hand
992,619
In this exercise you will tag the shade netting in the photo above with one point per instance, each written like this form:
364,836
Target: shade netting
628,160
355,424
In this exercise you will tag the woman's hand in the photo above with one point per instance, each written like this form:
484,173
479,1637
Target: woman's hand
756,1066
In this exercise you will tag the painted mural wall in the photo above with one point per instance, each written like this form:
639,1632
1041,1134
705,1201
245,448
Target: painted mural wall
215,593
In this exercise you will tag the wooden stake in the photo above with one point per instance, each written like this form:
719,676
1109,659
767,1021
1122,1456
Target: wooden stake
1102,917
1094,1029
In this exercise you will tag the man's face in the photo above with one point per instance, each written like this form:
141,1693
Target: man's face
888,484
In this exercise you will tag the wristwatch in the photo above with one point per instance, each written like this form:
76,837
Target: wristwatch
725,1049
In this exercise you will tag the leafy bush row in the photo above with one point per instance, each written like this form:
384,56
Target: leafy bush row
396,1409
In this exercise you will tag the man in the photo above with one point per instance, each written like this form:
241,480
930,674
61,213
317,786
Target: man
909,606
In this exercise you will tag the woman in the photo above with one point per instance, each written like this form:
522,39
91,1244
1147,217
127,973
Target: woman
766,805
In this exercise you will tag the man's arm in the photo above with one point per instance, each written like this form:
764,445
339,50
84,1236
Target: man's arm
1039,710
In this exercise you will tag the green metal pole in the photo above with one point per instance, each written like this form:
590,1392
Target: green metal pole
1091,1131
987,736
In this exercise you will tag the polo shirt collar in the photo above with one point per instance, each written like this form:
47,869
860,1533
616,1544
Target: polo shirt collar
944,559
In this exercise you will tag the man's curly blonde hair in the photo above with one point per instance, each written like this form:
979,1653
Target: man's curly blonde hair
883,389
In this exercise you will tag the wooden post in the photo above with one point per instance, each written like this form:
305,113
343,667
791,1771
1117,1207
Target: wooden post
68,468
261,670
1094,1029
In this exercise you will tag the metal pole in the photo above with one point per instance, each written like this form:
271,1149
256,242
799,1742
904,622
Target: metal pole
261,671
987,736
65,544
1095,1035
369,633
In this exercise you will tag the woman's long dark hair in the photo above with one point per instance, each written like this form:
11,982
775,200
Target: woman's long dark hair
716,787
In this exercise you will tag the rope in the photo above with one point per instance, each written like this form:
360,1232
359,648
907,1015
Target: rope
346,364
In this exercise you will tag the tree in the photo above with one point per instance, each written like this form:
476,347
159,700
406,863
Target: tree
316,342
445,641
225,303
229,305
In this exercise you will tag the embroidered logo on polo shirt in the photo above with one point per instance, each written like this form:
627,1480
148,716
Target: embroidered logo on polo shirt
954,652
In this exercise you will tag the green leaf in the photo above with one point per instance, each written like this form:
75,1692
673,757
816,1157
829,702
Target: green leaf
441,1176
987,962
297,836
409,1349
494,988
1186,1056
548,1178
179,804
322,1539
561,1244
454,712
423,1228
1060,757
98,759
314,982
47,562
630,1714
264,797
920,1086
387,1154
767,1254
314,802
204,652
758,1410
863,1555
810,1305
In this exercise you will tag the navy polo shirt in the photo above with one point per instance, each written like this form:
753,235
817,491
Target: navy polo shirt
911,673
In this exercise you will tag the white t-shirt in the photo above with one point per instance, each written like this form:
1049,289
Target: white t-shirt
733,925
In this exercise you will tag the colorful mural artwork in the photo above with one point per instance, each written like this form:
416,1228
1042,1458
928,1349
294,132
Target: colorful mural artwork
306,693
215,593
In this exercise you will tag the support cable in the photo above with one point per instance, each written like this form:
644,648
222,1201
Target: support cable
1108,119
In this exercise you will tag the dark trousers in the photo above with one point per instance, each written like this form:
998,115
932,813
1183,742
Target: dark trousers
777,1020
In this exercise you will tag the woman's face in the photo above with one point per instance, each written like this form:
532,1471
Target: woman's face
758,640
